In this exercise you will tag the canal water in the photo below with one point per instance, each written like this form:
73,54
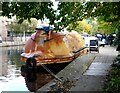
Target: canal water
11,78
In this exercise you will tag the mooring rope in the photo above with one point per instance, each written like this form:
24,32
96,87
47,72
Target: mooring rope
48,70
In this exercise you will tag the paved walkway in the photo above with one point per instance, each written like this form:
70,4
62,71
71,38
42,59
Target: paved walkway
87,72
93,78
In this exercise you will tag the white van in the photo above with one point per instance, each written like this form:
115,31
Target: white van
87,40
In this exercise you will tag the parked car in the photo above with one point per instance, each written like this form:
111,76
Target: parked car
0,39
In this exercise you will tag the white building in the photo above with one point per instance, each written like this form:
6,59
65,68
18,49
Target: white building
4,21
3,29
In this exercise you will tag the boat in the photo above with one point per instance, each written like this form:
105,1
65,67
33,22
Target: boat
49,47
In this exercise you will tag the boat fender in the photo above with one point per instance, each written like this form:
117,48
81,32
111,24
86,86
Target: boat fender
31,63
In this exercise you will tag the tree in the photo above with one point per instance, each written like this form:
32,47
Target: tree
86,27
14,28
106,27
68,12
27,10
105,12
81,26
25,26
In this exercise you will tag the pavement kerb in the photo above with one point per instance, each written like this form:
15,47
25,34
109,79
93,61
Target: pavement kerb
73,71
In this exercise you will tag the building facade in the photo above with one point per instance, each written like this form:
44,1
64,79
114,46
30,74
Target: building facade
4,21
3,29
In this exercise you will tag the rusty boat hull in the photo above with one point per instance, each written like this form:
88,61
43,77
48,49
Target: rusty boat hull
50,62
51,48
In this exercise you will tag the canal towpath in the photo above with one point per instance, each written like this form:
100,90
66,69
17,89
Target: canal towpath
88,72
93,79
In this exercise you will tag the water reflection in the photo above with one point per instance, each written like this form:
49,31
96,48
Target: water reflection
34,81
10,64
10,60
10,72
38,77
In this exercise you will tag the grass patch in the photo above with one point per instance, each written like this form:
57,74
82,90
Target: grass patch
113,79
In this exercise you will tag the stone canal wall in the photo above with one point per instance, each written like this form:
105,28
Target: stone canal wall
16,41
71,73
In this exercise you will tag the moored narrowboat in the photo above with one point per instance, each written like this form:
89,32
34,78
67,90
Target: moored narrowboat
48,47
